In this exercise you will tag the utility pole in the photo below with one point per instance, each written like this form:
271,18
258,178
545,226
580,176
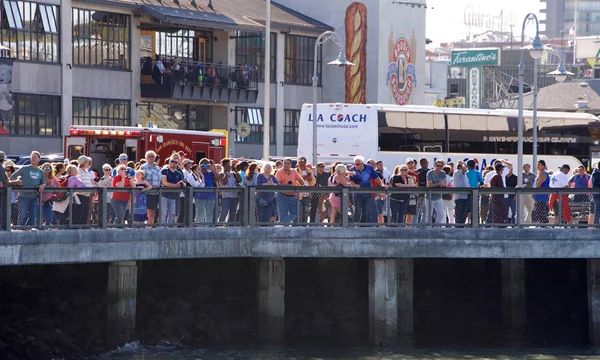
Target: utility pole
511,35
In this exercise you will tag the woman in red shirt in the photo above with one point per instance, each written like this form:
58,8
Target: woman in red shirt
120,199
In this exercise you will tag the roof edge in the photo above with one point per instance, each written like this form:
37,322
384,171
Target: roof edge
318,24
109,3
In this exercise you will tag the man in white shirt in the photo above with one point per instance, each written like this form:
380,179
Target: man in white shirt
560,180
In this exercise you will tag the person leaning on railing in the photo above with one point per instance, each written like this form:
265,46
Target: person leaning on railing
287,202
339,178
31,177
266,208
399,202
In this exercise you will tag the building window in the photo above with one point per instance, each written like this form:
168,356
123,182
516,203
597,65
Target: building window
290,127
254,117
101,112
250,50
33,114
30,30
176,116
101,39
189,45
299,59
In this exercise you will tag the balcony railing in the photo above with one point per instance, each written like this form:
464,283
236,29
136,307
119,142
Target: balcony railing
302,206
192,80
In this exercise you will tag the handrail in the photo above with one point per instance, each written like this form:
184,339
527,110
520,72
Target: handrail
304,206
197,73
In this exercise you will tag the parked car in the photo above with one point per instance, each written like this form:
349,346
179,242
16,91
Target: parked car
26,160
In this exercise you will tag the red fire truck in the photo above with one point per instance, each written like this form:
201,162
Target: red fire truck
104,143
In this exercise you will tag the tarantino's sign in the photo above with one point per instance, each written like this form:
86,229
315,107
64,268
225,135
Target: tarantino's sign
475,57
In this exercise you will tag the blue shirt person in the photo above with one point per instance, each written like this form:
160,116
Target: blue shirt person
474,176
364,203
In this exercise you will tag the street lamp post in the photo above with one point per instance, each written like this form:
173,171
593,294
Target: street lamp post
560,74
536,52
340,61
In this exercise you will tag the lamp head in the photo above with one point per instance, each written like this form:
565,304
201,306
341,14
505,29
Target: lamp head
341,60
560,74
537,48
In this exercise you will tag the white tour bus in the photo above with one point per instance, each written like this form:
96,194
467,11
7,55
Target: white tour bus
394,133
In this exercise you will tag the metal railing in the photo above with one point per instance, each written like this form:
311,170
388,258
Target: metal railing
199,74
72,208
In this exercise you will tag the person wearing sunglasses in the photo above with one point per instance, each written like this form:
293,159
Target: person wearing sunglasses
363,176
120,199
436,178
122,160
172,178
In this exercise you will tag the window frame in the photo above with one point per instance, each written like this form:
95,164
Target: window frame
299,56
25,32
93,108
291,125
114,39
33,112
256,134
253,54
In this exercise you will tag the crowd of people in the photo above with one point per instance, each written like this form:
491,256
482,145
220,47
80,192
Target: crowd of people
148,192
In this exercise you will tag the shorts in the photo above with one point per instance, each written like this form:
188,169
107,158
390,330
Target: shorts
380,204
152,201
592,206
140,217
411,209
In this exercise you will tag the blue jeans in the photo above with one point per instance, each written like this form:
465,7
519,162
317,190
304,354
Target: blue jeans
287,208
168,210
399,208
119,207
365,209
228,209
511,204
422,215
205,211
461,210
28,209
265,210
48,214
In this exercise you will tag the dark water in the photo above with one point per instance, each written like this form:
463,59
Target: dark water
135,351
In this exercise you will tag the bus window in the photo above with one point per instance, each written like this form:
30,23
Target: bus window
199,156
74,151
